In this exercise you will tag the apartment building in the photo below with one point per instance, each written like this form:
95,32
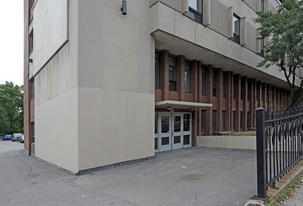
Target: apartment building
103,87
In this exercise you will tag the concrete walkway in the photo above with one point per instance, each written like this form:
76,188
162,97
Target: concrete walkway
196,176
296,198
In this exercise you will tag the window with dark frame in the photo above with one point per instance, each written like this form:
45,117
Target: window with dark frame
203,81
214,121
262,6
223,120
195,10
203,118
30,43
242,88
234,88
236,29
224,86
234,120
241,119
262,48
172,74
214,82
187,77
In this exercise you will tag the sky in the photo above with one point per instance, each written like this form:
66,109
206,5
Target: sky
11,41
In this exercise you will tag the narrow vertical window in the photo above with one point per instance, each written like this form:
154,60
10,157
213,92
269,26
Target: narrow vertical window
214,83
203,81
262,48
187,77
234,120
30,43
262,6
242,88
241,120
223,120
203,117
224,86
195,10
157,71
236,29
33,132
33,89
214,121
234,87
172,74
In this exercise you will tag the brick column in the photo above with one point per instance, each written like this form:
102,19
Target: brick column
231,76
245,109
180,77
278,98
274,99
220,96
209,83
238,100
164,77
199,89
208,121
228,100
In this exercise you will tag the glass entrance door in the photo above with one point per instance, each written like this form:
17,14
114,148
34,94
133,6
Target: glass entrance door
173,131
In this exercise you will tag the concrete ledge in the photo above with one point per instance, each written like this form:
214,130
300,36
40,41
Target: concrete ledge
228,142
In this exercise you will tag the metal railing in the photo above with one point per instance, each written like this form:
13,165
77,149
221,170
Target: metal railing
279,146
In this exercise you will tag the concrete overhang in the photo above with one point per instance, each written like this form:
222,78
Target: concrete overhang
181,104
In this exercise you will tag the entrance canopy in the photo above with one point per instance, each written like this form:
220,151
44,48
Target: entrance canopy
181,104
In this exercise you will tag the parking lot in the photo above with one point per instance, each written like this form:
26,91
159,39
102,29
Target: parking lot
196,176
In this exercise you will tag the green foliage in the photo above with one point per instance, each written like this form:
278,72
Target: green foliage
284,30
11,108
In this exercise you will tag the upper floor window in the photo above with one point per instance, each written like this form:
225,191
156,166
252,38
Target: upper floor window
157,71
195,10
172,74
262,48
280,1
203,81
30,42
187,77
236,29
262,6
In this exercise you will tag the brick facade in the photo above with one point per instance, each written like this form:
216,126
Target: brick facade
242,96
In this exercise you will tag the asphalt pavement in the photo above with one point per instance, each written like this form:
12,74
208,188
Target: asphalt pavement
195,176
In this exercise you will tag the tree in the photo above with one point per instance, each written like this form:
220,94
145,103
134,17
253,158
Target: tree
11,108
284,30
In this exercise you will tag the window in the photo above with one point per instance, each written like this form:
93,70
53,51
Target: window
242,88
235,87
280,1
172,74
223,120
214,121
224,86
33,89
33,132
234,120
214,83
30,43
262,6
195,10
203,81
203,117
241,120
157,71
236,29
187,77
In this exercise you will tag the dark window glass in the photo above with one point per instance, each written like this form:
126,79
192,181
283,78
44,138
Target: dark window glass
164,124
187,77
177,123
172,74
242,88
33,132
234,120
165,141
156,143
214,82
157,71
186,139
234,87
258,91
262,48
186,119
224,86
236,29
262,5
31,42
203,81
156,123
223,120
214,120
195,10
33,89
203,117
241,120
177,139
248,120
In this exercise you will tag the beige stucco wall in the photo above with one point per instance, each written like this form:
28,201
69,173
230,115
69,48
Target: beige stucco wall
230,142
116,83
56,100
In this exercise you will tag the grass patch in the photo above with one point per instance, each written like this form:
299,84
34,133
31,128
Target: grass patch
249,133
292,185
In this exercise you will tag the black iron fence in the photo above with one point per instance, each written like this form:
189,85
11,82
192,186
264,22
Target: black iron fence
279,145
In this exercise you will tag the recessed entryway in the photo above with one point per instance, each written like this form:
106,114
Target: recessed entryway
172,130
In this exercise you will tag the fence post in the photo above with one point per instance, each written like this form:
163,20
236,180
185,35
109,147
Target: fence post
261,160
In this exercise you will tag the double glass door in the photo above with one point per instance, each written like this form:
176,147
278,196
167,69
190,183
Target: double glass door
173,131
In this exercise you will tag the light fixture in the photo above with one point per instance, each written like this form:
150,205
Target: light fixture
124,7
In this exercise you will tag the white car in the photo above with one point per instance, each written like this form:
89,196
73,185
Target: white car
16,136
